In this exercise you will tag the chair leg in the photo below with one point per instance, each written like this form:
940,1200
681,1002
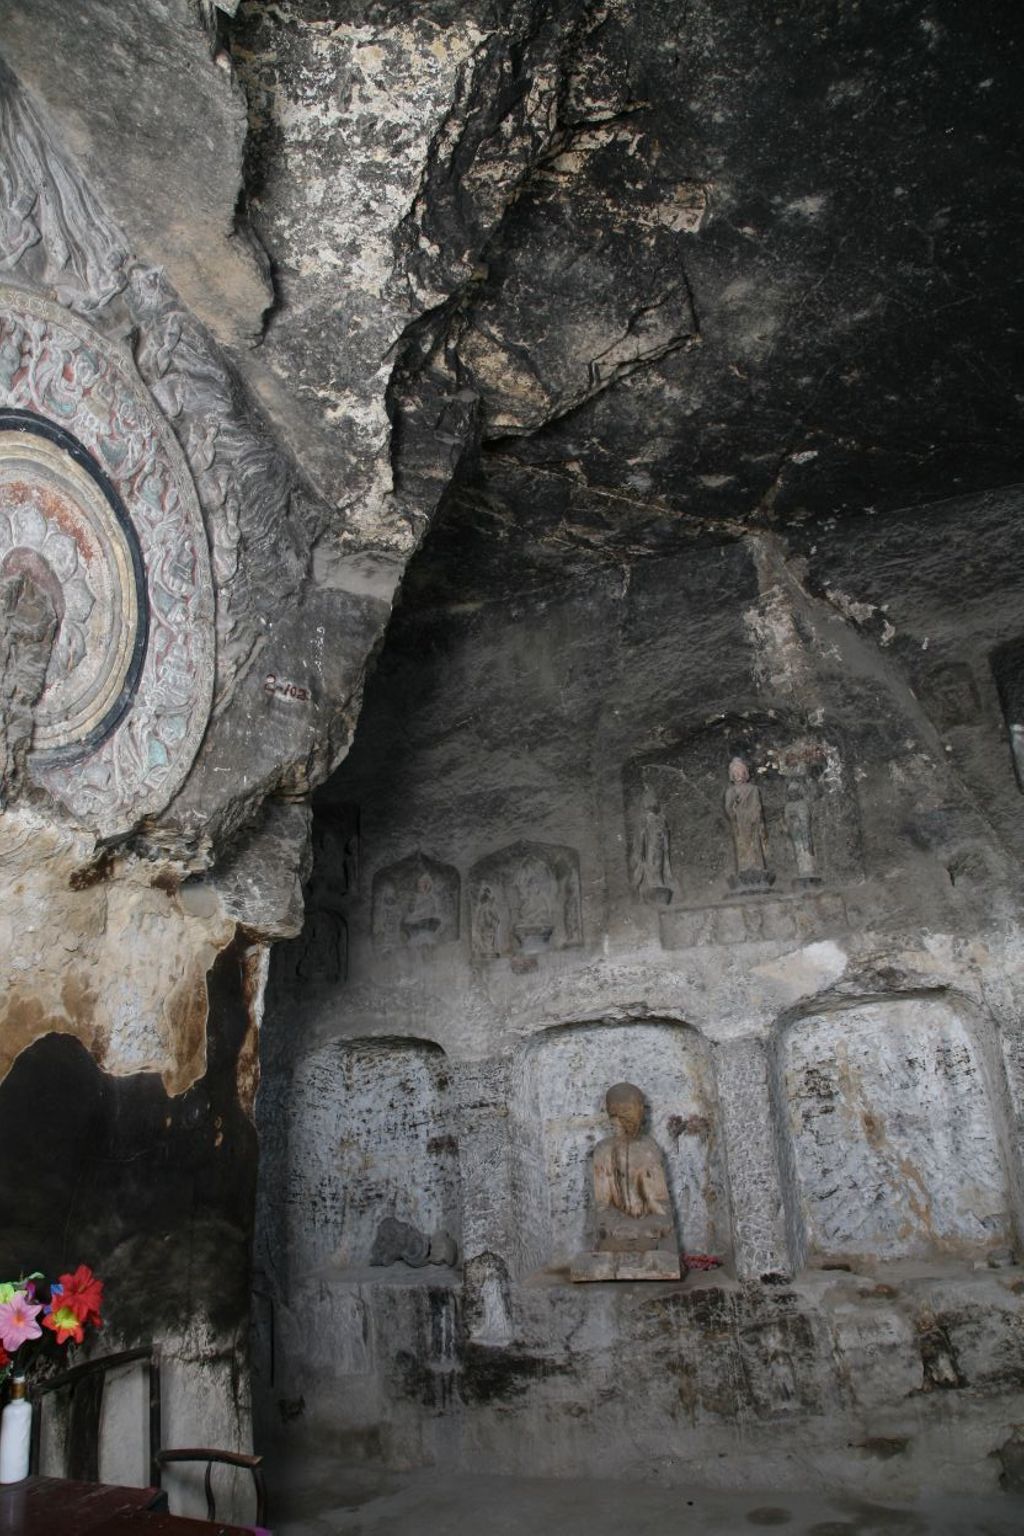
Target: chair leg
261,1495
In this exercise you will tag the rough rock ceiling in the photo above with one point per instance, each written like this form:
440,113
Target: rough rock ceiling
722,265
634,273
803,221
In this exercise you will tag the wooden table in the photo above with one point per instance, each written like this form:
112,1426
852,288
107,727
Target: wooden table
53,1506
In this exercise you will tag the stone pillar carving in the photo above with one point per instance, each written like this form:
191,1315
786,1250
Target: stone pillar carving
760,1239
485,1165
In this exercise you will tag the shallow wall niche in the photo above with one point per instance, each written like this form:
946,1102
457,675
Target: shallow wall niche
560,1082
369,1137
899,1137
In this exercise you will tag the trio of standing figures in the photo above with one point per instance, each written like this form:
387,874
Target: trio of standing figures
652,875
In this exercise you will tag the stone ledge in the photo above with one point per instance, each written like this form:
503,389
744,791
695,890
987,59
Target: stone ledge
756,920
658,1264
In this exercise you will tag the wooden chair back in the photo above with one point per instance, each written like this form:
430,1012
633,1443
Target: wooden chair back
85,1385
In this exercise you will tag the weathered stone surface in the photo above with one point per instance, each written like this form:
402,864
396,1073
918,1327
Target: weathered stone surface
655,321
70,922
837,1096
763,1246
655,1264
348,1176
400,1242
173,187
258,885
824,1358
898,1140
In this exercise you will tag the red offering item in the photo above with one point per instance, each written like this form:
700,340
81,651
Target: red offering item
701,1261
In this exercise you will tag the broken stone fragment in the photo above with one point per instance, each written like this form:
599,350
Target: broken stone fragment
400,1242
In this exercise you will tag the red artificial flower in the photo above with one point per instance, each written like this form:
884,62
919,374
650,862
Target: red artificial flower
80,1294
63,1322
5,1358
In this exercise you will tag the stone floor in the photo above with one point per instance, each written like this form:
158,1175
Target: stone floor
332,1501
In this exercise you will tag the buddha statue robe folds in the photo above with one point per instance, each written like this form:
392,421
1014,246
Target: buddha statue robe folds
634,1231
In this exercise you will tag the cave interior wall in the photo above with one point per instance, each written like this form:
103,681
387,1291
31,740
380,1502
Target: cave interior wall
647,353
832,1063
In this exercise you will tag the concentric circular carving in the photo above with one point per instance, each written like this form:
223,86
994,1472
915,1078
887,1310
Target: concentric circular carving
62,522
97,507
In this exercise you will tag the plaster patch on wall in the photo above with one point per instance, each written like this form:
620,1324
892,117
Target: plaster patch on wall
895,1138
806,971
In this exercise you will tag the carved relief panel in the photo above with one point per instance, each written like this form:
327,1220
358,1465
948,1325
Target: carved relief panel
745,811
104,571
415,904
524,900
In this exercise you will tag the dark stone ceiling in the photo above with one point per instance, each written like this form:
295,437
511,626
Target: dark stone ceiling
769,275
635,272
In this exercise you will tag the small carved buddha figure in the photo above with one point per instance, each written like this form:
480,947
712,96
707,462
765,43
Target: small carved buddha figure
487,923
652,872
536,893
421,918
630,1190
634,1228
746,817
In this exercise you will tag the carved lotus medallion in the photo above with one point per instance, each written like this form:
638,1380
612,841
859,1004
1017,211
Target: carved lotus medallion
98,511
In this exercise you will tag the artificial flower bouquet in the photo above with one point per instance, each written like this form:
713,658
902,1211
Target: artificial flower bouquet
34,1312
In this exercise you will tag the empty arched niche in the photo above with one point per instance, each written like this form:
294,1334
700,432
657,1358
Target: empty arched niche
899,1134
561,1080
370,1137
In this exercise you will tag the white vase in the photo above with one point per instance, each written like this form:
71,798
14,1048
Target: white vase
15,1434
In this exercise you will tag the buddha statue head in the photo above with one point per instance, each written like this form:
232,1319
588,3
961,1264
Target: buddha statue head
626,1108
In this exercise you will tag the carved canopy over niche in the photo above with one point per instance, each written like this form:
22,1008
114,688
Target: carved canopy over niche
99,514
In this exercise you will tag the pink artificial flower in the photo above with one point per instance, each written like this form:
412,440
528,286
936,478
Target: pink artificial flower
18,1321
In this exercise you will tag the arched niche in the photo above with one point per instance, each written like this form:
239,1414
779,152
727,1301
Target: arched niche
370,1136
559,1085
894,1119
